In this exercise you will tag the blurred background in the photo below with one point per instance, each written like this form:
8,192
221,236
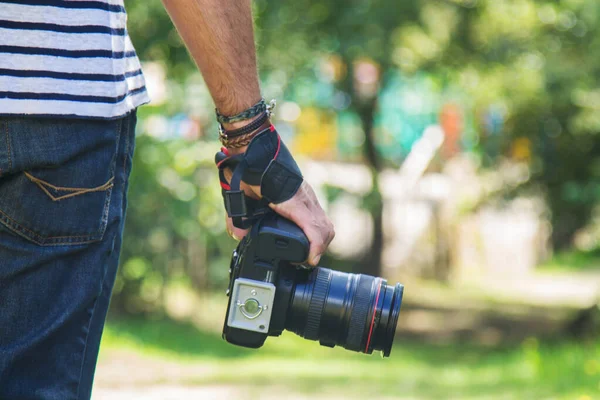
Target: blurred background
454,143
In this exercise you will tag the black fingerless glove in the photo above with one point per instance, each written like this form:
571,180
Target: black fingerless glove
267,162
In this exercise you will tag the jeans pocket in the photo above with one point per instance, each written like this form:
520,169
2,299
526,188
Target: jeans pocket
59,191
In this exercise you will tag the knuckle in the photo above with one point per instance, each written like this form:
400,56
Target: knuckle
330,226
320,247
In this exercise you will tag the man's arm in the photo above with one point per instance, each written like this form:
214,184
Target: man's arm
219,34
220,37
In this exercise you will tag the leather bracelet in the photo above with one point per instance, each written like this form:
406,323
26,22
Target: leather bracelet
243,140
252,126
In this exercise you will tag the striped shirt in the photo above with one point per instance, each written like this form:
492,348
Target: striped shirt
68,58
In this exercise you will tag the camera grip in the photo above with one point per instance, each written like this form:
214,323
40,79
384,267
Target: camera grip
279,238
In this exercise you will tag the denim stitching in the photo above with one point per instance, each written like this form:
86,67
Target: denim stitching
87,334
8,146
60,188
76,191
126,145
104,221
40,240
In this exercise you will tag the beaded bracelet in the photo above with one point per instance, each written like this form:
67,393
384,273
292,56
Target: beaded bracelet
249,113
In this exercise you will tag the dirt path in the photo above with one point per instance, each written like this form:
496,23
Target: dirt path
176,392
127,369
123,375
167,392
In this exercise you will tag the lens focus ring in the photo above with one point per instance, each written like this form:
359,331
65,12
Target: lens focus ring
358,319
317,302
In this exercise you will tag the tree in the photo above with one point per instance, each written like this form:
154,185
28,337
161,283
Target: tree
539,60
534,59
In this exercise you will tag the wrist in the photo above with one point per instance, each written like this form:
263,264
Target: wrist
241,116
238,131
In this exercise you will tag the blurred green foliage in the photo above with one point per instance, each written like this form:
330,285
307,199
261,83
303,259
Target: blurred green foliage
175,225
573,260
534,63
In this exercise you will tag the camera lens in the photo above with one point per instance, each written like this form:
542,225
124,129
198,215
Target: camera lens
357,312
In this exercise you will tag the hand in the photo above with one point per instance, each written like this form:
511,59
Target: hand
303,209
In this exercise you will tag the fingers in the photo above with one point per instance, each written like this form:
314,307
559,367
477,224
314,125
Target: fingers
305,210
250,191
236,233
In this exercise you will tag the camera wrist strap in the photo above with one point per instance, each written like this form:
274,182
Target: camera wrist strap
267,162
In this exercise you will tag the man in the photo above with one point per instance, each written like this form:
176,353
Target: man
70,83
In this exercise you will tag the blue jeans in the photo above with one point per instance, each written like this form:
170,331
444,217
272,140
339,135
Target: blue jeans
63,185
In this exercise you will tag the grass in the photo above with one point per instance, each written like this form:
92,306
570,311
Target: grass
531,370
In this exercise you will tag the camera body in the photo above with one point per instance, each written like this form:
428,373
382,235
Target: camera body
271,291
264,269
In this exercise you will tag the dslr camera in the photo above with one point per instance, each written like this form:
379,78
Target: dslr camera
271,291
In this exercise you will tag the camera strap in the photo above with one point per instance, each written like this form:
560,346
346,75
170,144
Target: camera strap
267,162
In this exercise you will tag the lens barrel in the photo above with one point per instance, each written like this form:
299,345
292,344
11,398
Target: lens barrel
357,312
